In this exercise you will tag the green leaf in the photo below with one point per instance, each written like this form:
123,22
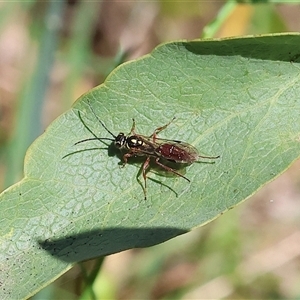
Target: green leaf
237,98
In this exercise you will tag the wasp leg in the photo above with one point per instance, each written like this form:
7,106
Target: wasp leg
210,157
132,130
159,129
144,169
169,169
125,158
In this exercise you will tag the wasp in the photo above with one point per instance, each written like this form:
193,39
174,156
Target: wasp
160,150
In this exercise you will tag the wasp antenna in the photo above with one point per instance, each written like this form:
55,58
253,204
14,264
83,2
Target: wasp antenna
93,139
81,120
100,120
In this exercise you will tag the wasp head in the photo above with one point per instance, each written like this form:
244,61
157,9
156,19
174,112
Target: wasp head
120,140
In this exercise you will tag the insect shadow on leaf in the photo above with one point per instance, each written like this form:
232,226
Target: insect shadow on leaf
171,156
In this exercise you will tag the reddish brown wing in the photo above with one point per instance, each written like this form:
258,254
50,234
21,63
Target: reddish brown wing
177,151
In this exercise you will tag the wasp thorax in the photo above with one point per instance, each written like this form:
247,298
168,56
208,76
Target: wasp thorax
134,142
120,140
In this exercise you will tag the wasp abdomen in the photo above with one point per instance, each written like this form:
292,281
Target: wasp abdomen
173,153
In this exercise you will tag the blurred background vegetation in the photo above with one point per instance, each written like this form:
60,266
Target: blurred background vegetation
51,52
